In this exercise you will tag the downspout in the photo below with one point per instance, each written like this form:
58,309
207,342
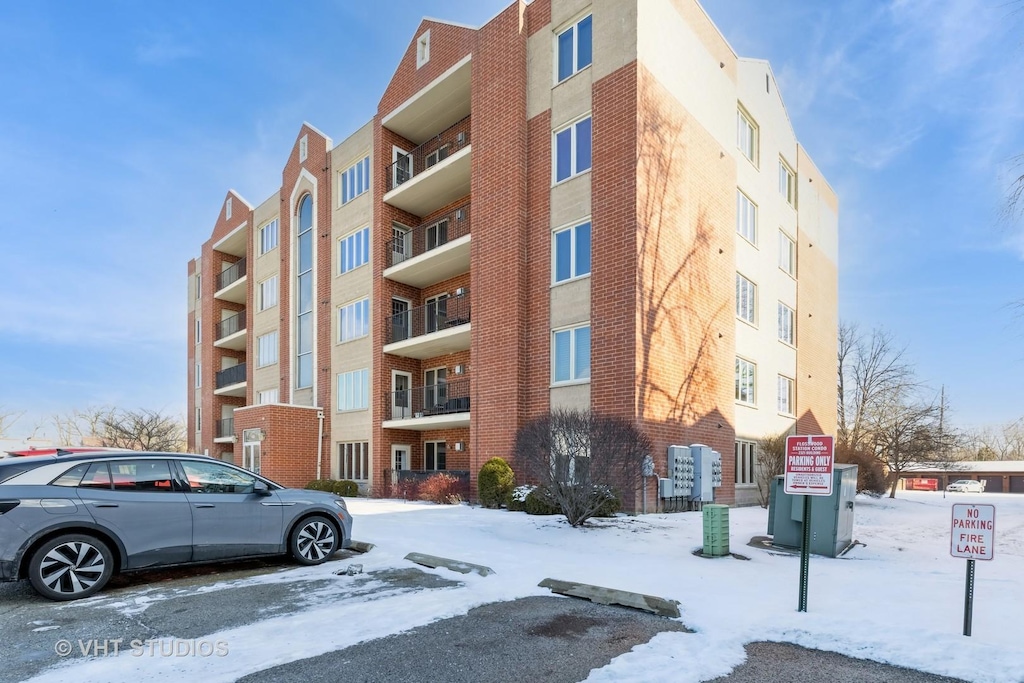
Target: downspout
319,443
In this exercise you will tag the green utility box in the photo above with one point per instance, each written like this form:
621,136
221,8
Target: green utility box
831,516
716,530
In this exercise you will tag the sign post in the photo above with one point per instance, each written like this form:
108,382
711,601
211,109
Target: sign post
809,465
972,536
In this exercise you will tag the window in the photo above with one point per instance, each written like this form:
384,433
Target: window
354,250
572,252
268,237
199,419
746,299
199,375
434,453
423,49
745,381
268,396
745,460
787,183
787,320
787,253
213,477
354,320
436,235
746,217
268,293
435,389
575,48
746,135
354,390
571,355
227,209
436,313
304,296
266,350
303,148
199,282
786,395
199,330
355,180
353,460
141,475
572,150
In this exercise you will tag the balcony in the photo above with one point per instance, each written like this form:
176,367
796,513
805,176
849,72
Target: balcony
432,252
231,381
437,106
437,406
225,430
440,327
434,174
231,283
231,332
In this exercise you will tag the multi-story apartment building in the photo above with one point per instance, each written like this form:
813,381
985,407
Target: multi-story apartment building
582,203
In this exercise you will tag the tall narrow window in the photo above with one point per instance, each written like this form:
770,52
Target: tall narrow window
354,250
303,148
746,217
575,47
354,320
353,460
745,381
786,323
572,150
199,375
787,253
745,462
572,252
787,183
227,209
786,392
423,49
435,455
304,292
266,350
746,299
746,135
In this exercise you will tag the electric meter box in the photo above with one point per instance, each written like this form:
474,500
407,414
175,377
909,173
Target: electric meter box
831,516
707,472
716,530
680,473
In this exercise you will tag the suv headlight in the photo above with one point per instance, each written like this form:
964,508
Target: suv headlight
341,503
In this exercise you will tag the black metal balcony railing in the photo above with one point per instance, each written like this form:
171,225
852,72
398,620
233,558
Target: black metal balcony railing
225,428
433,151
228,326
427,236
436,399
232,274
437,315
232,375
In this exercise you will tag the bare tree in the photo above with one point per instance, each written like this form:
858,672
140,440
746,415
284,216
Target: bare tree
580,459
7,419
141,429
1002,442
907,434
771,462
873,373
146,430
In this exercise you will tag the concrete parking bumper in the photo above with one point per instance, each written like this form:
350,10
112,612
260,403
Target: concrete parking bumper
613,596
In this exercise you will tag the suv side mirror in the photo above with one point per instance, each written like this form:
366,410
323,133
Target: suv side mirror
260,488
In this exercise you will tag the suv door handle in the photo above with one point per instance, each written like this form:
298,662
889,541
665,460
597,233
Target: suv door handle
105,505
205,505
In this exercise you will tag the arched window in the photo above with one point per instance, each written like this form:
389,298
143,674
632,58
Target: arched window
304,287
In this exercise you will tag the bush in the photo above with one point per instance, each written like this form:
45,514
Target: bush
495,482
516,498
538,502
344,487
406,489
611,503
871,474
441,488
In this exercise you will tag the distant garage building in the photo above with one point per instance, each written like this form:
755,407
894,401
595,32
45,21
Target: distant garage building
1000,476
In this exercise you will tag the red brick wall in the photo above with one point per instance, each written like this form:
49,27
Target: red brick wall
448,44
288,450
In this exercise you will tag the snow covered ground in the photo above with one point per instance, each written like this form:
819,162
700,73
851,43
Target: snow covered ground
897,599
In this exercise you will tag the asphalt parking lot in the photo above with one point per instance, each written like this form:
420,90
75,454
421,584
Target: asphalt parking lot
540,638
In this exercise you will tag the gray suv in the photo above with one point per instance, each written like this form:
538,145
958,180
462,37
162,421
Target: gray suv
68,522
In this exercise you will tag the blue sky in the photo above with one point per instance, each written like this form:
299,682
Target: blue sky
124,123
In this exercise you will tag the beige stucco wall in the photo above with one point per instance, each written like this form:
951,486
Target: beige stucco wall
263,322
348,288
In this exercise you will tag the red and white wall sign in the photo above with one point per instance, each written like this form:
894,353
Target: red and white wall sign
809,465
